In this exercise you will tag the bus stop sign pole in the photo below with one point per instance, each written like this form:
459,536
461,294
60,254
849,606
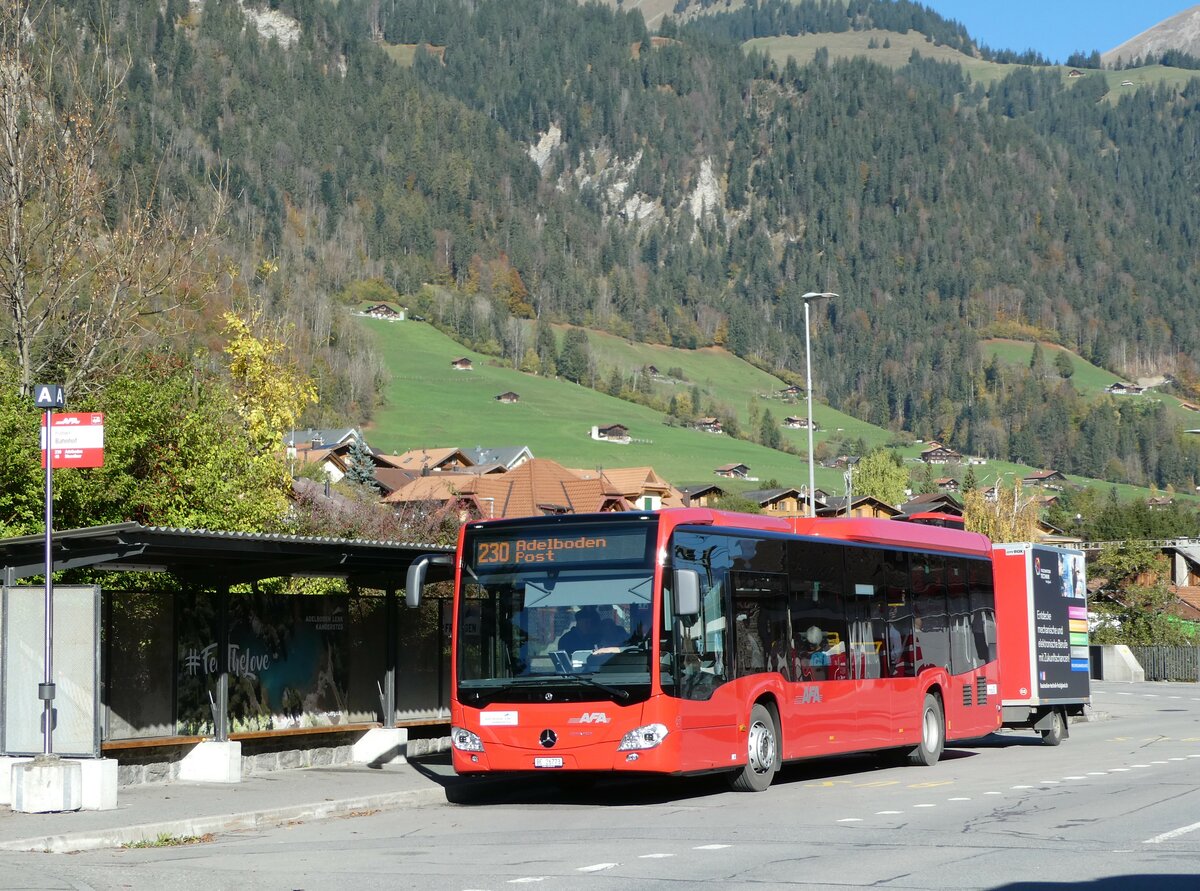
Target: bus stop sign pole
49,397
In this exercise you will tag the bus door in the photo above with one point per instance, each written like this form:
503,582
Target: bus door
866,616
819,718
702,669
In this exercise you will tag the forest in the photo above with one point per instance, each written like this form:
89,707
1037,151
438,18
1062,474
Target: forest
687,192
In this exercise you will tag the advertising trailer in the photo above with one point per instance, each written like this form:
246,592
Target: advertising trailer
1041,614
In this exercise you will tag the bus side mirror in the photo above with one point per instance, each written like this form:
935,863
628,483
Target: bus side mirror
417,571
686,592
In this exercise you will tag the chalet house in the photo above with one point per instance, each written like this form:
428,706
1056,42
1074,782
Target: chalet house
799,423
946,484
708,425
780,502
612,433
383,311
860,506
1160,502
940,454
702,495
733,471
1046,479
508,398
791,392
640,486
936,502
1123,389
653,371
461,364
1074,72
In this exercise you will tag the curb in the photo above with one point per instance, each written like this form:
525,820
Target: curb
198,826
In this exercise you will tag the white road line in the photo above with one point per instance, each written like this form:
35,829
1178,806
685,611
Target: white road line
1048,782
1097,773
525,880
1174,833
653,856
924,805
710,847
1075,778
1139,765
960,798
993,793
1158,762
596,867
850,820
1118,770
887,813
1177,759
1024,787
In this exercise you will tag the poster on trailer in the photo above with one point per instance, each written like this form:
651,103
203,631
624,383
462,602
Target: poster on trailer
1060,623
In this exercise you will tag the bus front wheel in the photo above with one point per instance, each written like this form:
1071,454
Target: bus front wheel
933,734
763,751
1055,731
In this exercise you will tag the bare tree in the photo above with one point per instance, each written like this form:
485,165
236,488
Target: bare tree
78,286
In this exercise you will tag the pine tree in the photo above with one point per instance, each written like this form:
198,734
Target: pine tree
361,471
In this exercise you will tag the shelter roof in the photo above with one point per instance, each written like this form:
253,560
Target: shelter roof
213,558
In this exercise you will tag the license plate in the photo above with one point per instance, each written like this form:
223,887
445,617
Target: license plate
547,762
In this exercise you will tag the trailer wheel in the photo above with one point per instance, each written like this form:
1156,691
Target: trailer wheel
933,734
1053,735
763,751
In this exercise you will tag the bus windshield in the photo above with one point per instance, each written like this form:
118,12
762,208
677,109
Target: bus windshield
558,610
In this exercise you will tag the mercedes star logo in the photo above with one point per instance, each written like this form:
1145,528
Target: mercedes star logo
548,739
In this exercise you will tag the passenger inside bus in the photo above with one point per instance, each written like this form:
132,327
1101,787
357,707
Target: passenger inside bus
590,632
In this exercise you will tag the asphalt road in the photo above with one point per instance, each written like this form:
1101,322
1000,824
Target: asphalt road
1116,806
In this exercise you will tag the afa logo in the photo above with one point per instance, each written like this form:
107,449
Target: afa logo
812,693
591,718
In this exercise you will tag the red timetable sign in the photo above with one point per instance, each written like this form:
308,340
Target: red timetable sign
77,440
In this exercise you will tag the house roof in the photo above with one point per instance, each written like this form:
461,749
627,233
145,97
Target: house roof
326,438
509,456
764,496
836,504
932,501
533,488
1043,475
428,459
731,467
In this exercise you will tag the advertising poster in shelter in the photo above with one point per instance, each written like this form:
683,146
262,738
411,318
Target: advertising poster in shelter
287,657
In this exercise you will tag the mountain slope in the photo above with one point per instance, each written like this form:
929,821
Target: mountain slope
1180,33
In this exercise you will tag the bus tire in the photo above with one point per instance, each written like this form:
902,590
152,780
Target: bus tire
933,734
1053,735
763,751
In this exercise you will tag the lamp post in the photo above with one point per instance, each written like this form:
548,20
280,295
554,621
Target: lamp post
812,484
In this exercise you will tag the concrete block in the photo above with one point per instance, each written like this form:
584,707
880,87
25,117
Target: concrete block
381,745
1117,663
7,763
47,784
212,762
99,784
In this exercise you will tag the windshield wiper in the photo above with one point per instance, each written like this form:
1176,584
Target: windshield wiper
615,692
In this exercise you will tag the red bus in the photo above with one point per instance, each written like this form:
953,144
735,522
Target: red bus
689,640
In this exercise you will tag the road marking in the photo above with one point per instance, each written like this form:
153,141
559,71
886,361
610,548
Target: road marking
653,856
993,793
1177,759
887,813
850,820
597,867
960,798
525,880
1118,770
1174,833
1139,765
710,847
827,784
1097,773
1048,782
876,784
1158,762
924,805
930,785
1025,787
1074,778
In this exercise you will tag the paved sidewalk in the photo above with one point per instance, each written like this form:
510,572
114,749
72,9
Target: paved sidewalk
144,813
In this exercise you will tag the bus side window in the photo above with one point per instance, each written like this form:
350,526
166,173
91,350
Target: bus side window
818,612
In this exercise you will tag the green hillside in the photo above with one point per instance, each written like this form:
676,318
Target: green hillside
427,403
430,404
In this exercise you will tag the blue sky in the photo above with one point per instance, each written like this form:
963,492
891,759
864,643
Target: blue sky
1057,28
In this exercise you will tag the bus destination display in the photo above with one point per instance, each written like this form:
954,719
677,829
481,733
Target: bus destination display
569,546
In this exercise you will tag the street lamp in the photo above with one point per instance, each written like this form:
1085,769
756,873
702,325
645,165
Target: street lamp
812,477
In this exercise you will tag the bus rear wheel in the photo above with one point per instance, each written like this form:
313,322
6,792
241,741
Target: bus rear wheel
763,751
933,734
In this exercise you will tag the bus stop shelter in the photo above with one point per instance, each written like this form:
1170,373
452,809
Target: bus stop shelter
198,644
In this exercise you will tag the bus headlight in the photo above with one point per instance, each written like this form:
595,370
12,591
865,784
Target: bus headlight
464,740
646,737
